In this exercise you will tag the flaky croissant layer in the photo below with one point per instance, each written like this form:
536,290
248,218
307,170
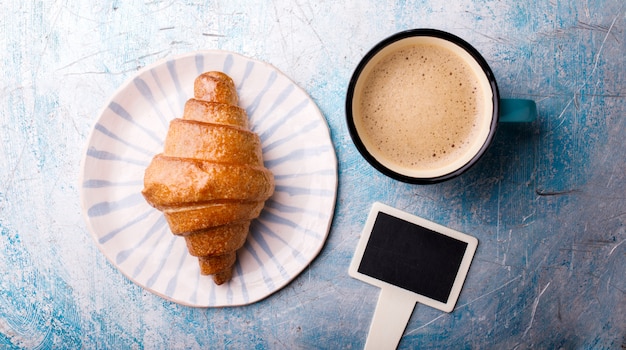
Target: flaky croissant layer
210,181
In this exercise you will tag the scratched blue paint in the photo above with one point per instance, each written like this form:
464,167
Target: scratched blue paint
532,201
29,293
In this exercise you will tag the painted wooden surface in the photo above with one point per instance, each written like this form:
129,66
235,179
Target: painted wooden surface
547,203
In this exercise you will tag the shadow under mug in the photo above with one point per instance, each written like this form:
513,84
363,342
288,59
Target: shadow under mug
500,110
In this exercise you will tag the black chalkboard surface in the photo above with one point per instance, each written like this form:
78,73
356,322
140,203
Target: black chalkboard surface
412,257
412,260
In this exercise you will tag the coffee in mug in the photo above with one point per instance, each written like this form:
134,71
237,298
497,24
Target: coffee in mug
422,106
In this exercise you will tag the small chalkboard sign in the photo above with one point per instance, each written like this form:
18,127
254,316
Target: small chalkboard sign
412,260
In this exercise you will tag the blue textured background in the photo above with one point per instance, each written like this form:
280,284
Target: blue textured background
547,202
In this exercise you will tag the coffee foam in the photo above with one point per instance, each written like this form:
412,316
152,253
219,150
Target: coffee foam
423,107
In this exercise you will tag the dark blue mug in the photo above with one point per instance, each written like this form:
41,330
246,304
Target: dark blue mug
423,105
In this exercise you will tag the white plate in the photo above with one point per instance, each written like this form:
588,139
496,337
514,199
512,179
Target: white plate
136,238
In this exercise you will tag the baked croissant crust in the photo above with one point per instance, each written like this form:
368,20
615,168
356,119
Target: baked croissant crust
210,181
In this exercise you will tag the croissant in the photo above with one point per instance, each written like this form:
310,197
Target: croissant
210,181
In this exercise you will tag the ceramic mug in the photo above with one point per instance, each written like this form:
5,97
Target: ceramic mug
423,106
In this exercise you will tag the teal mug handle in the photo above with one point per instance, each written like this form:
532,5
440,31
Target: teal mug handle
514,110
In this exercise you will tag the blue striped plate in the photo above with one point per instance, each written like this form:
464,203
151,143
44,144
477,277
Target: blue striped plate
136,239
